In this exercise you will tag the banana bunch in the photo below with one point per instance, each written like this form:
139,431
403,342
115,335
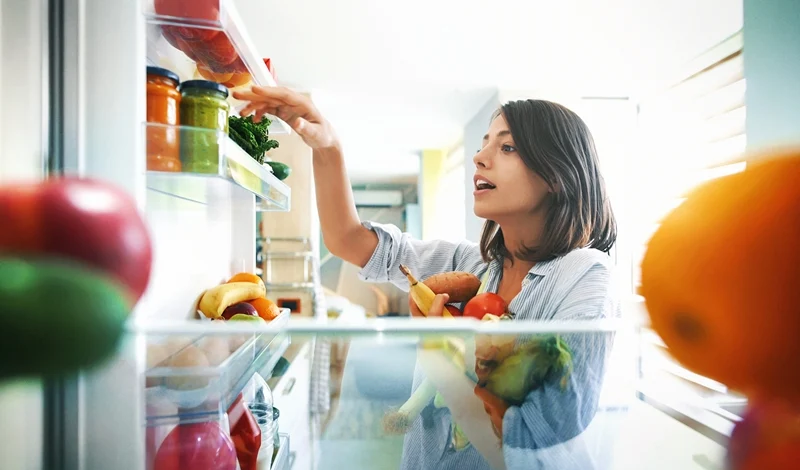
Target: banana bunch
215,300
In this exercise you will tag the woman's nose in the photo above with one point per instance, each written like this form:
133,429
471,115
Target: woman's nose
481,159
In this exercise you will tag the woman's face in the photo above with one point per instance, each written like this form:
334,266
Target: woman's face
504,188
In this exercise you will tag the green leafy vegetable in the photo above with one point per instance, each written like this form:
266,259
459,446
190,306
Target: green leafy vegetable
251,136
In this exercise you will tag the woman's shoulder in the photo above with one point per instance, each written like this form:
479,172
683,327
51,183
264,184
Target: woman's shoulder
582,259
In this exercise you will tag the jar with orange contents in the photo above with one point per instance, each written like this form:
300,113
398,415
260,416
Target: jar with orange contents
163,107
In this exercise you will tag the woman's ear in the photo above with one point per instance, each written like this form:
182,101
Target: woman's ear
555,188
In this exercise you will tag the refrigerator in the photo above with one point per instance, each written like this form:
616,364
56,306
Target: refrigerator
73,101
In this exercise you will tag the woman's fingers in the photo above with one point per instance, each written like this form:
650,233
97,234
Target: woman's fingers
282,94
437,307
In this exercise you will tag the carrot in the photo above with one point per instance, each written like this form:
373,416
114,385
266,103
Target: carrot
460,286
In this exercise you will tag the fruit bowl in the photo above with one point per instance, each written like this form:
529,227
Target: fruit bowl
204,374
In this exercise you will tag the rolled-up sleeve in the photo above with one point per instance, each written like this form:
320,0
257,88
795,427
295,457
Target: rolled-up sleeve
423,258
550,416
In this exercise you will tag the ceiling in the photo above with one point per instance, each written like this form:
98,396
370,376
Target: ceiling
396,79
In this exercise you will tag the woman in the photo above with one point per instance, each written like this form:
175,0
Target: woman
544,250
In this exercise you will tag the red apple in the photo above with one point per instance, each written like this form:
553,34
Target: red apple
242,307
84,220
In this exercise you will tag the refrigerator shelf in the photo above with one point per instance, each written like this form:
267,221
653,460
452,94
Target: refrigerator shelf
206,39
228,164
202,393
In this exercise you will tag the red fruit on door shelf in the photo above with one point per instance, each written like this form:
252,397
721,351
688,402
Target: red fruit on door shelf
485,303
219,50
203,10
196,445
88,221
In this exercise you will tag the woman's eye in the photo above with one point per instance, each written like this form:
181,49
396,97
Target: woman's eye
508,148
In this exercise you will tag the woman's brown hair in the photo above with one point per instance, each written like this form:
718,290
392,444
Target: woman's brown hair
555,143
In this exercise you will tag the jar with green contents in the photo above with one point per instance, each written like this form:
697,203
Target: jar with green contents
203,104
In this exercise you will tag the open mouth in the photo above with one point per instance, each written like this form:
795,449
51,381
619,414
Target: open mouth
482,184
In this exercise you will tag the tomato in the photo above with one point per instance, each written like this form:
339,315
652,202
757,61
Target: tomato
485,303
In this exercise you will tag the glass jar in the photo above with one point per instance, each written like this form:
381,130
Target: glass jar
163,107
204,104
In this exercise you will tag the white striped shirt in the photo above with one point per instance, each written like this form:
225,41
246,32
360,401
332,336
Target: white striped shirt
576,286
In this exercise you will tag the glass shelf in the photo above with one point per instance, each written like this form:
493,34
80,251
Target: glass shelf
209,157
206,39
385,359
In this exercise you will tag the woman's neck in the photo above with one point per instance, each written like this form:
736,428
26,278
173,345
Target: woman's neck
522,233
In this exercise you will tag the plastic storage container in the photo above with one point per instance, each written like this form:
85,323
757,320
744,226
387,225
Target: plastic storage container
203,104
163,107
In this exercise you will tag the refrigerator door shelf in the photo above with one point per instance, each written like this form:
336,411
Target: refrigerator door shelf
234,167
206,39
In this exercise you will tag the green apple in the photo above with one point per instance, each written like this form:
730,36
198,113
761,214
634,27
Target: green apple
245,317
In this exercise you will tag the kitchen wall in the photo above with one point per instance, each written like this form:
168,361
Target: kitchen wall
302,220
342,277
772,71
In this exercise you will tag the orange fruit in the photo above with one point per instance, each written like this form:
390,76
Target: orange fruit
208,74
237,79
266,308
721,279
246,277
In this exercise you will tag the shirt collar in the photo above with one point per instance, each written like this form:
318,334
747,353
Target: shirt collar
542,268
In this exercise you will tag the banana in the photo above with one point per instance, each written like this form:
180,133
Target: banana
218,298
423,295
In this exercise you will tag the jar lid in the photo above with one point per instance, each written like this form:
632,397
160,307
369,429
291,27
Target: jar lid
205,85
151,70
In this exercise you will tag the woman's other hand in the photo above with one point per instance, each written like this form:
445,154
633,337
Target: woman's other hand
436,308
292,107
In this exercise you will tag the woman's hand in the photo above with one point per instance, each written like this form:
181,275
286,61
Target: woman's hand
495,407
295,109
436,308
